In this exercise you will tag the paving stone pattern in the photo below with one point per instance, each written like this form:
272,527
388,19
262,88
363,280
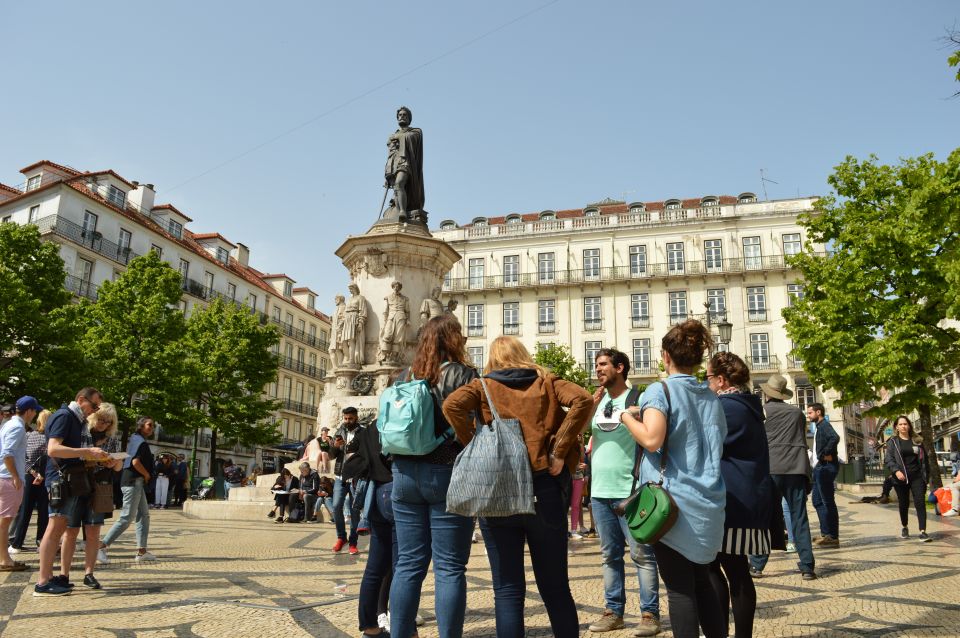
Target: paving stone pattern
259,579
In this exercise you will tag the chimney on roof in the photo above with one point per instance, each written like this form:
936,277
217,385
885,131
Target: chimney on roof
242,254
143,197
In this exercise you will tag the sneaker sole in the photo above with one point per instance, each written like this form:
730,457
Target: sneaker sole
49,594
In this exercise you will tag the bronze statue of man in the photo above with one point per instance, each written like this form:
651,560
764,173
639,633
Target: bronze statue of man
404,171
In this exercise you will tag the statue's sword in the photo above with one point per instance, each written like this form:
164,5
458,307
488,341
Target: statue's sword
386,190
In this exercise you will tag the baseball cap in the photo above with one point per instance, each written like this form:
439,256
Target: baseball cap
28,403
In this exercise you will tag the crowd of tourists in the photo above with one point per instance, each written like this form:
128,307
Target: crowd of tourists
697,476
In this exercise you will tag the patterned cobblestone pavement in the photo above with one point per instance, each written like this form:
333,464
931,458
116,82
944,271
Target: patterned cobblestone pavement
258,579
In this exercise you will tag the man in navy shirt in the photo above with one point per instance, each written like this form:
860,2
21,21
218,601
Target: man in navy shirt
63,431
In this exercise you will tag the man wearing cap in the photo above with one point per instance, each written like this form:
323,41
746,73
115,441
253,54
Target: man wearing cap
789,468
13,452
64,433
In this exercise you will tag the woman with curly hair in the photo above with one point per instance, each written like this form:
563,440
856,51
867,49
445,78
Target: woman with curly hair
906,459
425,530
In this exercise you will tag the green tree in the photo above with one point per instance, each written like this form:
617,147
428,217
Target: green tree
226,362
872,317
130,342
39,334
559,360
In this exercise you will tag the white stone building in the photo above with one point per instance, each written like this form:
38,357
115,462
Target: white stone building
102,220
617,274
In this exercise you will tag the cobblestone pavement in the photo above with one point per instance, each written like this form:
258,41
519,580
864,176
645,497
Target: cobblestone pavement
258,579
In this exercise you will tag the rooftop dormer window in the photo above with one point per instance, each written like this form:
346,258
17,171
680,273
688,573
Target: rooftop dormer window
222,255
637,207
116,196
514,219
480,221
548,216
33,182
672,204
746,198
287,289
709,201
591,212
175,228
448,224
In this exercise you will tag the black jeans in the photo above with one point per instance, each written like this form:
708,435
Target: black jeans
546,534
917,487
34,496
731,581
381,555
691,598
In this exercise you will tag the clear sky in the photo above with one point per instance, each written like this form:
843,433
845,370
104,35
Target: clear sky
267,122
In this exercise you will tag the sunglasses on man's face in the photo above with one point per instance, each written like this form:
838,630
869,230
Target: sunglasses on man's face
606,426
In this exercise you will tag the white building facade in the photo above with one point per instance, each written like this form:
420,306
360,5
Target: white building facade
101,221
618,274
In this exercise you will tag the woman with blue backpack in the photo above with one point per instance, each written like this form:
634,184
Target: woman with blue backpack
411,420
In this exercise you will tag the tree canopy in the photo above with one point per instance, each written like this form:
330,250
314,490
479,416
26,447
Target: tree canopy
875,308
558,359
39,332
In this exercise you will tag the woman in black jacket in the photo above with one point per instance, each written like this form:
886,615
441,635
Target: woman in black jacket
745,466
905,458
288,487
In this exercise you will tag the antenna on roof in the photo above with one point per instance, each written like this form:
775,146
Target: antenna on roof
763,183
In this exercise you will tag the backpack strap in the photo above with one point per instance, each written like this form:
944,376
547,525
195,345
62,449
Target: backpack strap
633,397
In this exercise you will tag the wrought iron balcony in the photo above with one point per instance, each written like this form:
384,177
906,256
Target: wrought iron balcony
547,327
475,330
769,363
88,238
593,324
81,287
296,365
756,315
299,407
511,328
640,321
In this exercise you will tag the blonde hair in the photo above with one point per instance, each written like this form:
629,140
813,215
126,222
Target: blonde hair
109,411
42,420
509,352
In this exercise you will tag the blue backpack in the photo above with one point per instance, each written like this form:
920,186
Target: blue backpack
406,419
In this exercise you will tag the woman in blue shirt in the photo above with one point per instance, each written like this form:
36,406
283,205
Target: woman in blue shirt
697,428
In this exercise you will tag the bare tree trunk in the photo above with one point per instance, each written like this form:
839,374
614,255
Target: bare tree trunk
926,433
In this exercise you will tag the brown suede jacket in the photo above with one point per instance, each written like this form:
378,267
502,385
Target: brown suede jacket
538,403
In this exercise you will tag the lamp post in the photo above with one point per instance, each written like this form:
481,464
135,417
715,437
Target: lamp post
725,327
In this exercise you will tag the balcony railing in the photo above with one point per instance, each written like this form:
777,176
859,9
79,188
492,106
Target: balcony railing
614,273
794,363
547,327
644,369
511,328
678,317
296,365
88,238
640,321
302,336
756,315
298,406
475,330
763,364
81,287
593,324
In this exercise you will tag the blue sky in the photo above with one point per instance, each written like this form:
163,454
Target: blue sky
525,105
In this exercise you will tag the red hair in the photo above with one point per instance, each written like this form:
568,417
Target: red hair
441,340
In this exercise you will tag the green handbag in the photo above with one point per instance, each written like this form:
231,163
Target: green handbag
650,512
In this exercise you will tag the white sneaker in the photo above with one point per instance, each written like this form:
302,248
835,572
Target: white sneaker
383,621
14,550
102,557
576,536
945,514
419,620
145,556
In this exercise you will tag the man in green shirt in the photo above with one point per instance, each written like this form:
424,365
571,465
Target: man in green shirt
611,477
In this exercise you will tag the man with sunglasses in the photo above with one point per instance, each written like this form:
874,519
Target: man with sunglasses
611,477
64,432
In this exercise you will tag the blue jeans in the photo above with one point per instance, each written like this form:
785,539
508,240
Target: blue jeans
425,530
786,518
135,507
614,537
824,500
381,554
546,534
340,493
794,490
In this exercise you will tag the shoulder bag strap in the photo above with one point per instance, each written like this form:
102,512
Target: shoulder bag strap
493,408
666,435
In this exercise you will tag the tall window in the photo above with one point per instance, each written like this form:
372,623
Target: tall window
806,394
175,228
276,314
717,304
157,250
791,244
311,397
590,350
756,304
678,306
752,257
794,293
546,315
89,224
312,360
591,263
713,253
301,354
675,258
299,395
638,261
184,269
641,355
511,318
287,387
301,326
252,300
232,291
475,320
84,270
123,244
208,281
312,332
290,319
760,349
511,270
476,273
34,214
592,319
116,196
640,310
546,267
476,356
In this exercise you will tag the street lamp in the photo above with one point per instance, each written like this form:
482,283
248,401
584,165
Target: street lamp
725,327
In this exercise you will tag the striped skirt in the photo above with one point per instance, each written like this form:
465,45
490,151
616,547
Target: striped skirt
741,541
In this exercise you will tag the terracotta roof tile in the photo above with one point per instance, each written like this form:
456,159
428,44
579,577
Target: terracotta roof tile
173,208
65,169
114,174
202,236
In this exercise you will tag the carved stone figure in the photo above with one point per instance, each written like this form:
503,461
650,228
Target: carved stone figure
336,332
452,305
431,306
354,327
393,330
404,169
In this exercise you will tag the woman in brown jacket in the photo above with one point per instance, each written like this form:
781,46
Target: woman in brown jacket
522,390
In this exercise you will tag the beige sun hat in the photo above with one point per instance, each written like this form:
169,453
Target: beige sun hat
776,387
